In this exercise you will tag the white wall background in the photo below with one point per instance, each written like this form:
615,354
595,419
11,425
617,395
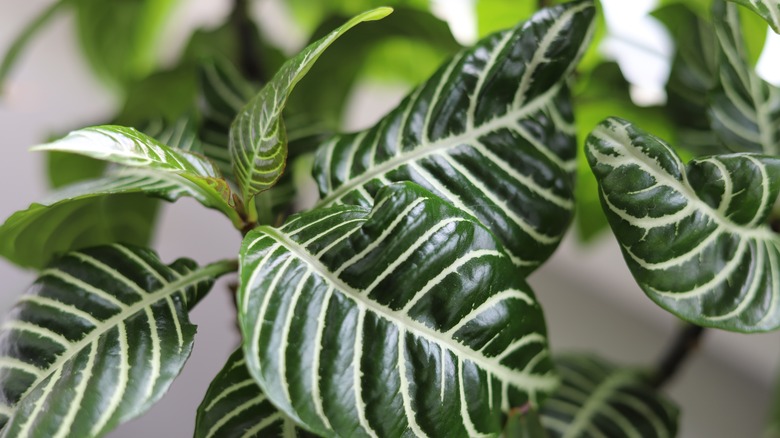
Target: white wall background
590,300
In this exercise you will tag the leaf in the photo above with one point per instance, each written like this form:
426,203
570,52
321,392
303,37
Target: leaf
598,399
745,110
87,214
409,45
223,94
234,406
694,236
97,340
491,131
604,92
693,76
258,140
128,147
495,15
119,39
19,43
769,10
391,322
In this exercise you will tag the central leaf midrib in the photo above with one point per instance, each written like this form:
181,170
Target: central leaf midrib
505,374
683,187
193,277
424,148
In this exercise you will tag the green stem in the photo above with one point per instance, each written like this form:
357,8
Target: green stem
21,41
220,268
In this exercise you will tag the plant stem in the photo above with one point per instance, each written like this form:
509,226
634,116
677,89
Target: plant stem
685,342
249,61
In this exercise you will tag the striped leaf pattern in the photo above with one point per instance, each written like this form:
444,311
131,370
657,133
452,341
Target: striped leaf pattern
694,236
769,10
492,132
745,109
234,406
408,319
128,147
258,139
224,92
104,210
97,340
598,400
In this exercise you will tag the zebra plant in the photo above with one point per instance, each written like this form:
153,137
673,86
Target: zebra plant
398,304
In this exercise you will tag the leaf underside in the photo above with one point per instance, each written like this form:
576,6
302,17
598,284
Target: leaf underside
400,320
234,406
96,341
492,132
695,237
597,399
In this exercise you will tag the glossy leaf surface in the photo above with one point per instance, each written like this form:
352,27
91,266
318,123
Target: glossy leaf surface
597,399
694,236
258,139
97,340
745,109
234,406
406,319
491,132
769,10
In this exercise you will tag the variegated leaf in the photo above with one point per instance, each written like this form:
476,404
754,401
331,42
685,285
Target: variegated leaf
97,340
769,10
258,139
128,147
492,132
224,92
73,217
598,400
745,109
234,406
408,319
694,236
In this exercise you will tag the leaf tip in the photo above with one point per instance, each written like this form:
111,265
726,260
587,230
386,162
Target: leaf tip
378,13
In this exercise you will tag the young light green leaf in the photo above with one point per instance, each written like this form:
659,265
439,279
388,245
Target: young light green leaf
95,212
128,147
492,132
769,10
234,406
745,109
391,322
694,236
258,139
597,399
97,340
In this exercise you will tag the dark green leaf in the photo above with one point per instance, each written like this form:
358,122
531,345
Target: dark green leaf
597,399
258,139
234,406
492,131
391,322
97,340
745,110
694,236
524,423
